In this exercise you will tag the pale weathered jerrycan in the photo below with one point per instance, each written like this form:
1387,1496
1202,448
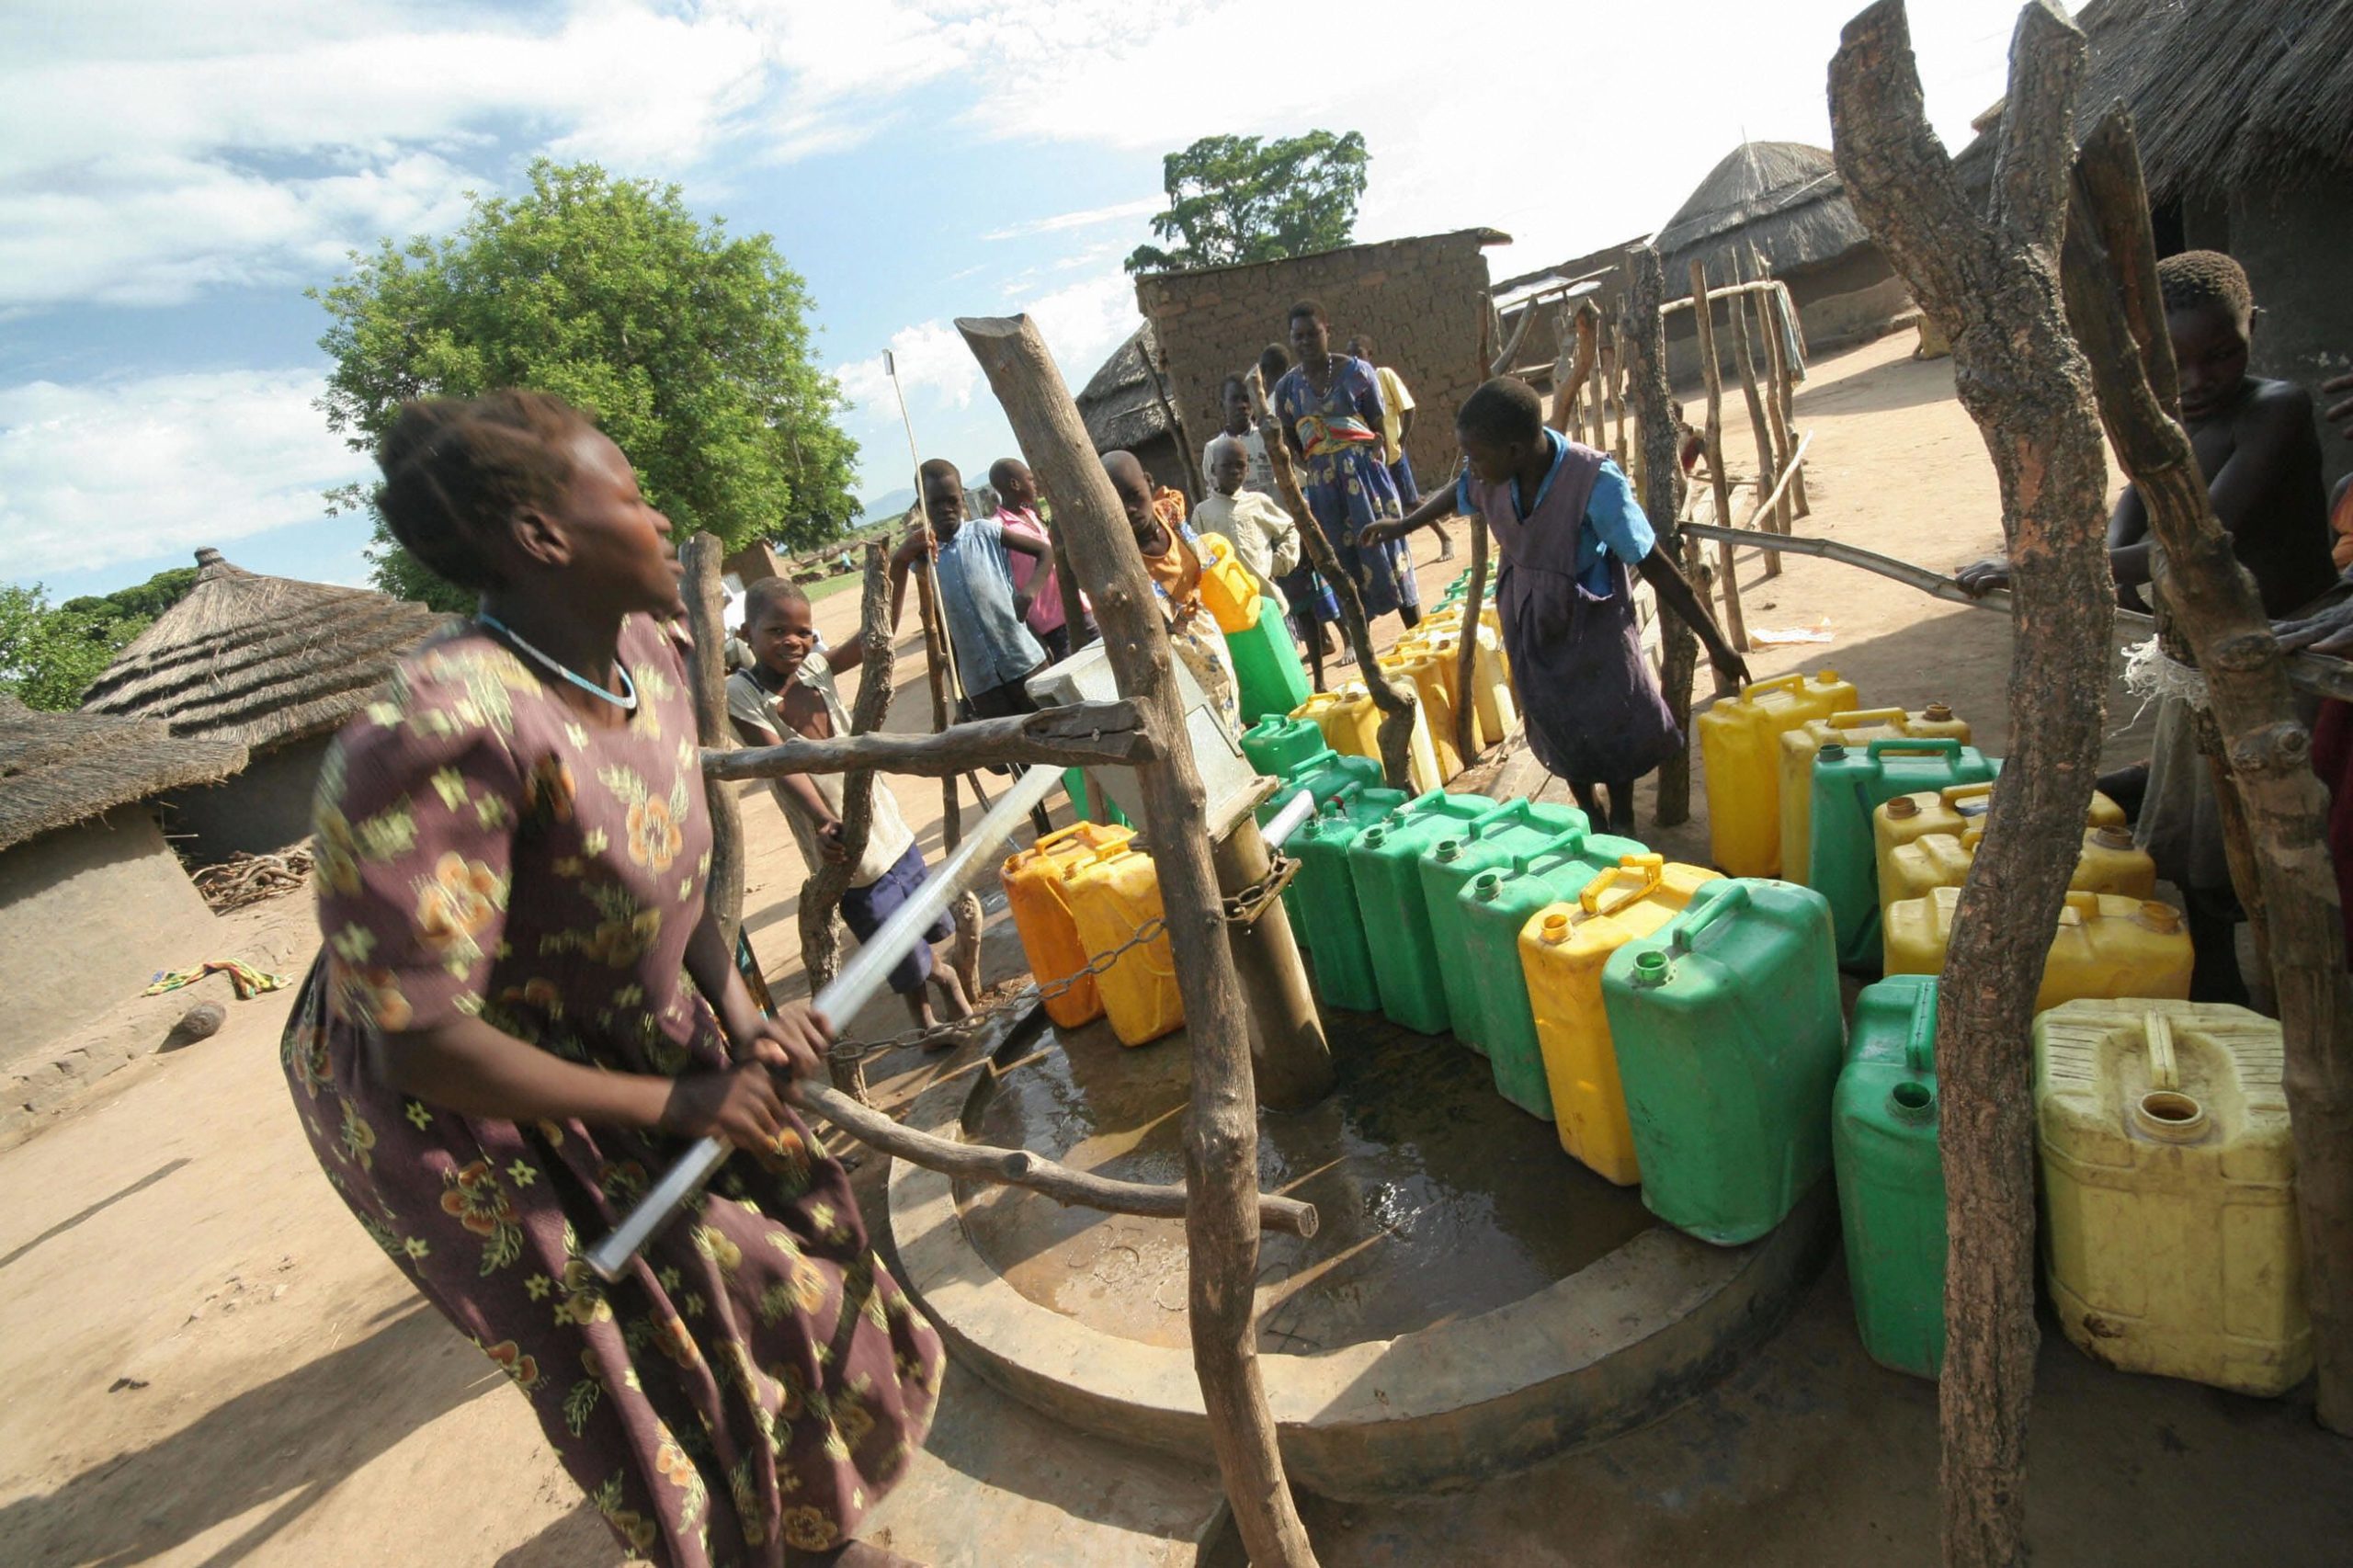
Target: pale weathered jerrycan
1740,747
2169,1239
1729,1037
1890,1179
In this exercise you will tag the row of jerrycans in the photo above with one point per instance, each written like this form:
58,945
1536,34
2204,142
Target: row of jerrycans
2169,1240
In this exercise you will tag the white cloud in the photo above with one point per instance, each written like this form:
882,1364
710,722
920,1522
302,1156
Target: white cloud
97,472
930,356
1083,323
1118,211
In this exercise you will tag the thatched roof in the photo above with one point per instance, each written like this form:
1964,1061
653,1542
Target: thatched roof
1121,402
1784,198
259,660
2222,92
60,768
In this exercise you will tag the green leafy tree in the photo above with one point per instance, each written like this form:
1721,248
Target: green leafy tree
1234,199
690,345
49,657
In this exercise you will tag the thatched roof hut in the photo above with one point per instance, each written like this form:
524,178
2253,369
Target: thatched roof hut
2244,110
92,899
60,770
1124,411
269,663
1785,202
259,660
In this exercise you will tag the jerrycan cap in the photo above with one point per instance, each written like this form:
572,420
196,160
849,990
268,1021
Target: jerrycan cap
1901,807
1833,752
1556,927
1487,885
2162,918
1652,968
1376,835
1449,849
2170,1115
2112,837
1913,1101
1937,713
1826,677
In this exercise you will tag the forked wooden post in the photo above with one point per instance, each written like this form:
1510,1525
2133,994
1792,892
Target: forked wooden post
1581,349
2115,306
1777,395
1785,333
1662,498
1221,1124
706,624
1987,272
1767,469
1703,311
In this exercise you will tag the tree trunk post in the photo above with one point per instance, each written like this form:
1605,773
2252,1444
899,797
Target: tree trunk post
1580,350
1221,1125
1768,470
1396,699
1990,280
1662,498
1703,311
706,624
2112,299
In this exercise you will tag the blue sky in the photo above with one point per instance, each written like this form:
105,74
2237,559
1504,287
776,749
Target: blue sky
174,177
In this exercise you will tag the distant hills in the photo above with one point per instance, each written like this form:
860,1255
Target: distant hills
889,507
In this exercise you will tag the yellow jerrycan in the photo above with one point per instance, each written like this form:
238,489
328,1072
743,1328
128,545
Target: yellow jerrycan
1227,586
2107,864
1038,896
1436,715
1855,729
1741,754
2105,947
2169,1236
1113,894
1561,951
1350,723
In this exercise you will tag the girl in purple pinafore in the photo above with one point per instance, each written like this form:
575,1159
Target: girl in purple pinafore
1568,528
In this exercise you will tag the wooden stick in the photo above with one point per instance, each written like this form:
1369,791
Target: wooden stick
1020,1167
1222,1123
2284,831
706,624
1768,474
1084,734
821,892
1596,395
1735,625
1986,273
1777,371
1395,699
1662,498
1617,360
1724,292
1566,395
1773,499
1785,331
1501,362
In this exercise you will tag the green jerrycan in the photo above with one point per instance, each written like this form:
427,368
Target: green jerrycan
1728,1032
1890,1179
1322,775
1267,677
1849,786
1386,858
1326,888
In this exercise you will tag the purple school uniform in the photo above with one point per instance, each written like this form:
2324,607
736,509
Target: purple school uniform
1593,708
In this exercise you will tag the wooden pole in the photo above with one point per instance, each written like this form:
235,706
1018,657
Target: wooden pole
1083,734
2115,306
1662,498
706,624
1221,1124
1768,470
1987,274
1466,655
1189,455
1784,334
1567,394
1394,698
1704,313
821,892
1596,395
1616,359
1776,373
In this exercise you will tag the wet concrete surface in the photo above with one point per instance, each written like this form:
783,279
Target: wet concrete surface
1437,1198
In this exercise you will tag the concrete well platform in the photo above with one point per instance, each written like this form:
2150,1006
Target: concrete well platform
1473,1301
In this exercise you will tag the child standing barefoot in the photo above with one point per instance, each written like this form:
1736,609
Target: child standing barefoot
1568,528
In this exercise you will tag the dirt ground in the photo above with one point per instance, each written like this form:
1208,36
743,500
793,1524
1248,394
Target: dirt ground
206,1362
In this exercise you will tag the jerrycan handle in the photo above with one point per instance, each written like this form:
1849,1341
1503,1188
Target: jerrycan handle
1954,794
1920,1046
1856,718
1733,896
1753,689
1940,745
2164,1067
1650,870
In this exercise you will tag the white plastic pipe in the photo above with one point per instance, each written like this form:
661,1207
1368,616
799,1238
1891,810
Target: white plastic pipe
1284,823
851,990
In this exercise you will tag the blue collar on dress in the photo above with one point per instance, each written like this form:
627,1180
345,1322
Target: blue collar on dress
1560,455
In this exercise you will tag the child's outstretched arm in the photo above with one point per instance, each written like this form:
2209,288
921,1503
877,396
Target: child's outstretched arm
1675,593
797,785
1436,509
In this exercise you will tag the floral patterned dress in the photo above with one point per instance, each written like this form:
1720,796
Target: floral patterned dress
1344,481
759,1379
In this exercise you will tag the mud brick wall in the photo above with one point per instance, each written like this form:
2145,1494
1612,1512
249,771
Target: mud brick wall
1423,300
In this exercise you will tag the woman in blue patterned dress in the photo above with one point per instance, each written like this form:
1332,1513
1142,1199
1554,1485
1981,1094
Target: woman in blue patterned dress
1330,408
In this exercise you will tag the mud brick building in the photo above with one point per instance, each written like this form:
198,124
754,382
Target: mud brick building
1424,300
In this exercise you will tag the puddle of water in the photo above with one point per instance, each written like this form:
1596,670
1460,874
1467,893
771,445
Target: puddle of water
1438,1198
